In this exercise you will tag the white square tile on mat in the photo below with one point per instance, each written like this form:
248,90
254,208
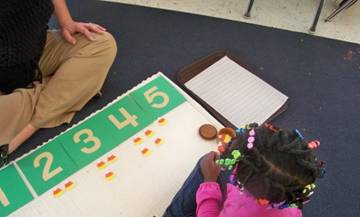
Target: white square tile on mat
293,15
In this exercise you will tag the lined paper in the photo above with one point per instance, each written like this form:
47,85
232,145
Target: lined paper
237,94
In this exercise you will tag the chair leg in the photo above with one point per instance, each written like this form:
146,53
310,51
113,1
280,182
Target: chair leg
248,14
317,15
343,5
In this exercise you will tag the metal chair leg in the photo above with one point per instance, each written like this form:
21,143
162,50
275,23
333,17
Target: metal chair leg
317,15
343,5
248,14
345,1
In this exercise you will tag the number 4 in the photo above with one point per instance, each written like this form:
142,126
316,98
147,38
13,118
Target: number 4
152,93
3,199
129,119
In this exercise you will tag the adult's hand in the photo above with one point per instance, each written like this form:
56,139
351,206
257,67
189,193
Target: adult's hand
69,27
87,29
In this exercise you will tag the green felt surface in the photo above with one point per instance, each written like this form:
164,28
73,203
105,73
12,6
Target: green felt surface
13,189
84,143
50,159
158,97
100,134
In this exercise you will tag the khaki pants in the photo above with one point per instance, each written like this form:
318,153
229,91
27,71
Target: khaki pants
72,75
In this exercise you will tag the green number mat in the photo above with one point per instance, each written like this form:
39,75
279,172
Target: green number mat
158,96
104,131
13,191
57,160
47,166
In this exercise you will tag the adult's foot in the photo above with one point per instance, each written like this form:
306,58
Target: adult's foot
4,151
21,137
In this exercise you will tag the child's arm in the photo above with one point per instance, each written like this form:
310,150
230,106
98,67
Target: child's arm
208,196
208,200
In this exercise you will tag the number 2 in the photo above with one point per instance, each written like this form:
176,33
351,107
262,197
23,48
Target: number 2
3,199
152,93
47,174
90,138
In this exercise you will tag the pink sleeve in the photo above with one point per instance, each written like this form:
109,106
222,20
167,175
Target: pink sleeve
208,199
299,213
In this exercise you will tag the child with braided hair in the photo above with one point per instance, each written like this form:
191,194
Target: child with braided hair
264,172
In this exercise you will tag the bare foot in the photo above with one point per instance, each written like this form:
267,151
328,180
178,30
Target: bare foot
21,137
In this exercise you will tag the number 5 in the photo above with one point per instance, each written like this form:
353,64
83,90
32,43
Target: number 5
152,93
3,199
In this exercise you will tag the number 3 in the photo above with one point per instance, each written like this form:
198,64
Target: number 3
3,199
152,93
90,138
47,174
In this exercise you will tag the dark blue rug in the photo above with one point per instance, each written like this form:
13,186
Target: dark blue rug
320,76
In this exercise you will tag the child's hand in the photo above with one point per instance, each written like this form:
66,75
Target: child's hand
209,168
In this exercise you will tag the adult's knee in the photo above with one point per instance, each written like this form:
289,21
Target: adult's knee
107,44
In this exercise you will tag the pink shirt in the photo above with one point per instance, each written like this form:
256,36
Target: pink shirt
209,198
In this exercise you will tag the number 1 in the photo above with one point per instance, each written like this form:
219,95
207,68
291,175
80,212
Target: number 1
3,199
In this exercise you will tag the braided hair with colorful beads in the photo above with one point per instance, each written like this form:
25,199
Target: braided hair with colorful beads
276,166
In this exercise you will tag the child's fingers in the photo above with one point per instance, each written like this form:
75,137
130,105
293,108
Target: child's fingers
208,159
217,156
209,156
213,154
205,160
226,146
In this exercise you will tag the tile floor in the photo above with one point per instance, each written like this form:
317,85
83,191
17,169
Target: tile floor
293,15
